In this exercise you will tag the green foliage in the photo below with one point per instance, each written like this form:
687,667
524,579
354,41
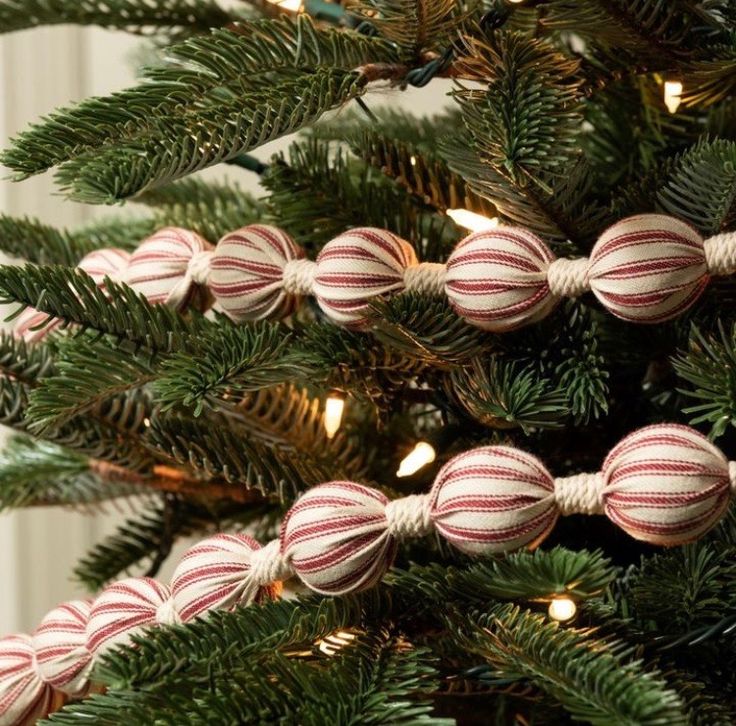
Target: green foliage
212,450
177,147
209,209
596,680
41,473
135,16
119,311
710,367
320,192
217,90
369,682
427,329
501,394
22,362
228,360
414,25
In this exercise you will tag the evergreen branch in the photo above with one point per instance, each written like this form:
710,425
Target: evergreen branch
425,176
229,360
120,312
357,363
288,416
213,450
320,193
41,473
537,575
701,186
135,16
178,146
203,75
595,680
88,372
358,685
502,394
146,541
23,362
710,366
211,210
427,329
414,25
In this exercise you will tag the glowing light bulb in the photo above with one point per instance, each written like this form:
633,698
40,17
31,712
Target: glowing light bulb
472,221
293,6
562,608
413,160
335,642
672,95
421,455
334,407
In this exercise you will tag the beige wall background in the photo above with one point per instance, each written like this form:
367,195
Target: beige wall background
39,70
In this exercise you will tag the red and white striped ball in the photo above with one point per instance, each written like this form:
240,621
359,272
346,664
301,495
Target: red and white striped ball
24,697
98,264
159,268
493,499
648,268
666,484
336,537
497,279
124,609
356,267
214,575
60,642
247,273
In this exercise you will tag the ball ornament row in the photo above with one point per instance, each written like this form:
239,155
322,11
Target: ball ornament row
645,269
664,484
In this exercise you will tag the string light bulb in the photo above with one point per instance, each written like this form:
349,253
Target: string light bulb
472,221
293,6
421,455
335,641
334,408
672,95
562,608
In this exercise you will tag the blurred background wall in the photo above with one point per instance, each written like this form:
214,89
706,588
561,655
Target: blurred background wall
40,70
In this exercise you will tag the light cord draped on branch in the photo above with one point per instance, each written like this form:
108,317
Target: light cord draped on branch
665,484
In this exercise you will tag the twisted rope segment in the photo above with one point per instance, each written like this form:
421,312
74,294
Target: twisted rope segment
647,269
665,484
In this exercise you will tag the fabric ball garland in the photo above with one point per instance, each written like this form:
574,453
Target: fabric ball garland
646,269
664,484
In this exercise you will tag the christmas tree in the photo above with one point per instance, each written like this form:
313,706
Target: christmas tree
450,407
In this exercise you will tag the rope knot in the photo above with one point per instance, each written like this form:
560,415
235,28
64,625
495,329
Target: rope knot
298,277
732,475
580,494
426,277
198,269
568,278
409,517
167,614
720,254
268,565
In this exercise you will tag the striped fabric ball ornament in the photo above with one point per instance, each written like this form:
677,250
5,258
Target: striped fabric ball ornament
169,267
213,575
124,609
247,273
493,499
98,264
356,267
497,279
648,268
60,642
24,697
665,484
336,537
